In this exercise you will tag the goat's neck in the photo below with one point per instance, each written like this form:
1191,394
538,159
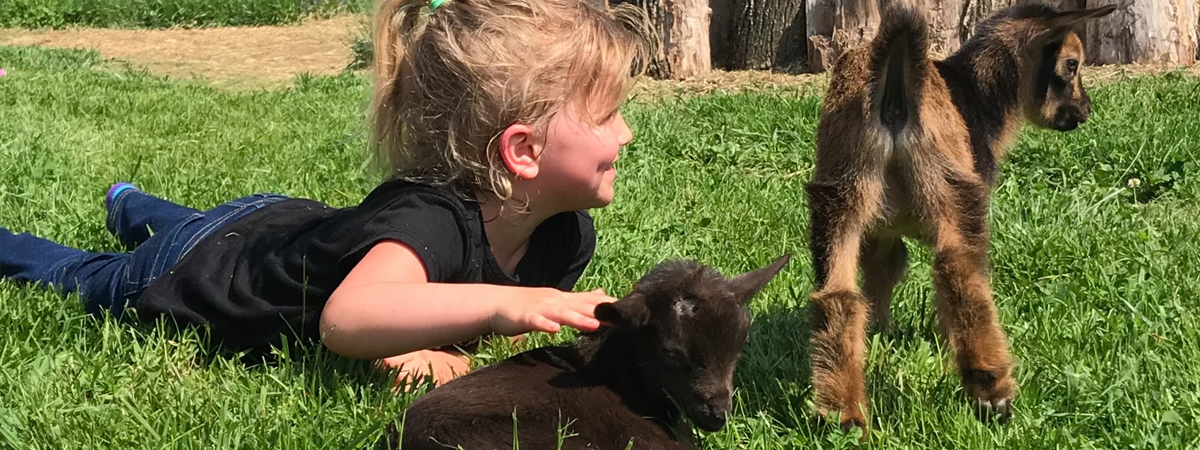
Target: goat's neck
611,357
984,78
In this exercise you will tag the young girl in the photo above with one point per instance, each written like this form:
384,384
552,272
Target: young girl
500,121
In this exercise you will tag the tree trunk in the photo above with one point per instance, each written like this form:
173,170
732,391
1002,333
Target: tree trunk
946,23
655,10
976,11
834,26
972,13
686,42
1145,31
762,34
719,31
682,27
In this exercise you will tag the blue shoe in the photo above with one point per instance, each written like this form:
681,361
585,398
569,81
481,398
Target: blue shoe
114,191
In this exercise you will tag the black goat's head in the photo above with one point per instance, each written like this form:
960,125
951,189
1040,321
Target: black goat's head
691,324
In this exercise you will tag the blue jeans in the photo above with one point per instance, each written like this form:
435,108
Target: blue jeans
158,232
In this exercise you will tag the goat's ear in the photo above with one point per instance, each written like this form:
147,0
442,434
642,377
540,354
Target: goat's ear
628,312
749,283
1067,20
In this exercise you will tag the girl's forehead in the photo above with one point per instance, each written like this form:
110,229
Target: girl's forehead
597,105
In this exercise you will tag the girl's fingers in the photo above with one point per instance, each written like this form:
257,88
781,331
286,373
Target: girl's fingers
545,325
593,298
575,319
587,306
587,310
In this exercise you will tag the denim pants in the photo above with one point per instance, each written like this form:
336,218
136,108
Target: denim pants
158,232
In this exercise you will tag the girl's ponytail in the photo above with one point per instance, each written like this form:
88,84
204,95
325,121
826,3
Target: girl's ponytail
397,23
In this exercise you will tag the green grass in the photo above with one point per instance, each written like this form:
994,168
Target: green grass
1098,284
166,13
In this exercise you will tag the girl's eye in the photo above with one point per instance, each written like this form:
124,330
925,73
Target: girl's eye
609,118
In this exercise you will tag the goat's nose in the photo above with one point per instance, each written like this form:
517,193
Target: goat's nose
715,416
710,417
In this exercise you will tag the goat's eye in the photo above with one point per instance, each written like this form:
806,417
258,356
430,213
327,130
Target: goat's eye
674,354
1072,66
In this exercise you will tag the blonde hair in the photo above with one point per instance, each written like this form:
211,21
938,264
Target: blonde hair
448,82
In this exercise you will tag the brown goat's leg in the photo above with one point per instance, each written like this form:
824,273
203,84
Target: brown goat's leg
967,315
884,259
840,215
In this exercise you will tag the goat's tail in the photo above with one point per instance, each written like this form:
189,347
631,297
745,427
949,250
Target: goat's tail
898,64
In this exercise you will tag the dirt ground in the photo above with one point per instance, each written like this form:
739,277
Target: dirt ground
269,57
235,57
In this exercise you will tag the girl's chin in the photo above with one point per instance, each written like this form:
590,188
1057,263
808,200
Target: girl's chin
606,196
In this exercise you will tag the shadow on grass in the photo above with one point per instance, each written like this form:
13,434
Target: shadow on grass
774,376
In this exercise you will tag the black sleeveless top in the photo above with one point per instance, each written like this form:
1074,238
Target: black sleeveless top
267,276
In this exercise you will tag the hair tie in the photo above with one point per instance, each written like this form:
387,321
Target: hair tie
435,4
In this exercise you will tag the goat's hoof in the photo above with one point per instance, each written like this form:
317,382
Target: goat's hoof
847,421
993,392
848,425
998,410
860,423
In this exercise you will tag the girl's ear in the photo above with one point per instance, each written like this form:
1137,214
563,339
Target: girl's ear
520,149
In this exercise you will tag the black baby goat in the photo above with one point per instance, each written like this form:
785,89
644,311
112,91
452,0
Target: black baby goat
670,352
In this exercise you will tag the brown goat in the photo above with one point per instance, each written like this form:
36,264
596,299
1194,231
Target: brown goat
669,352
908,146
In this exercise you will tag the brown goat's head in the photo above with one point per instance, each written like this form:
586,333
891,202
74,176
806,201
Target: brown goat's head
1052,93
691,324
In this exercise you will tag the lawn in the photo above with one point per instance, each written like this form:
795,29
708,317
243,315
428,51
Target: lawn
167,13
1097,282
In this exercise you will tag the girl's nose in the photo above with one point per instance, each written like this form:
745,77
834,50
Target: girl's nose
624,134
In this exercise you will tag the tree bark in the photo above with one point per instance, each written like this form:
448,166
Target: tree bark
834,26
686,42
719,31
762,34
682,27
656,13
1144,31
792,34
946,23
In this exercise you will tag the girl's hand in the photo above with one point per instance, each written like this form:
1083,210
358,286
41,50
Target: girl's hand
547,310
413,367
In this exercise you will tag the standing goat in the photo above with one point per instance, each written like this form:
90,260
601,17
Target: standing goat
670,351
908,146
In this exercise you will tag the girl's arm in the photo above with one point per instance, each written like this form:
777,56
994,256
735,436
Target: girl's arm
387,307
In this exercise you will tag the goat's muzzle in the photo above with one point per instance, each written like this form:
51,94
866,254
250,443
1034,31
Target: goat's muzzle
710,418
1068,118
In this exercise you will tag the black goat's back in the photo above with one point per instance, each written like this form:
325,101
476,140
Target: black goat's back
548,393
